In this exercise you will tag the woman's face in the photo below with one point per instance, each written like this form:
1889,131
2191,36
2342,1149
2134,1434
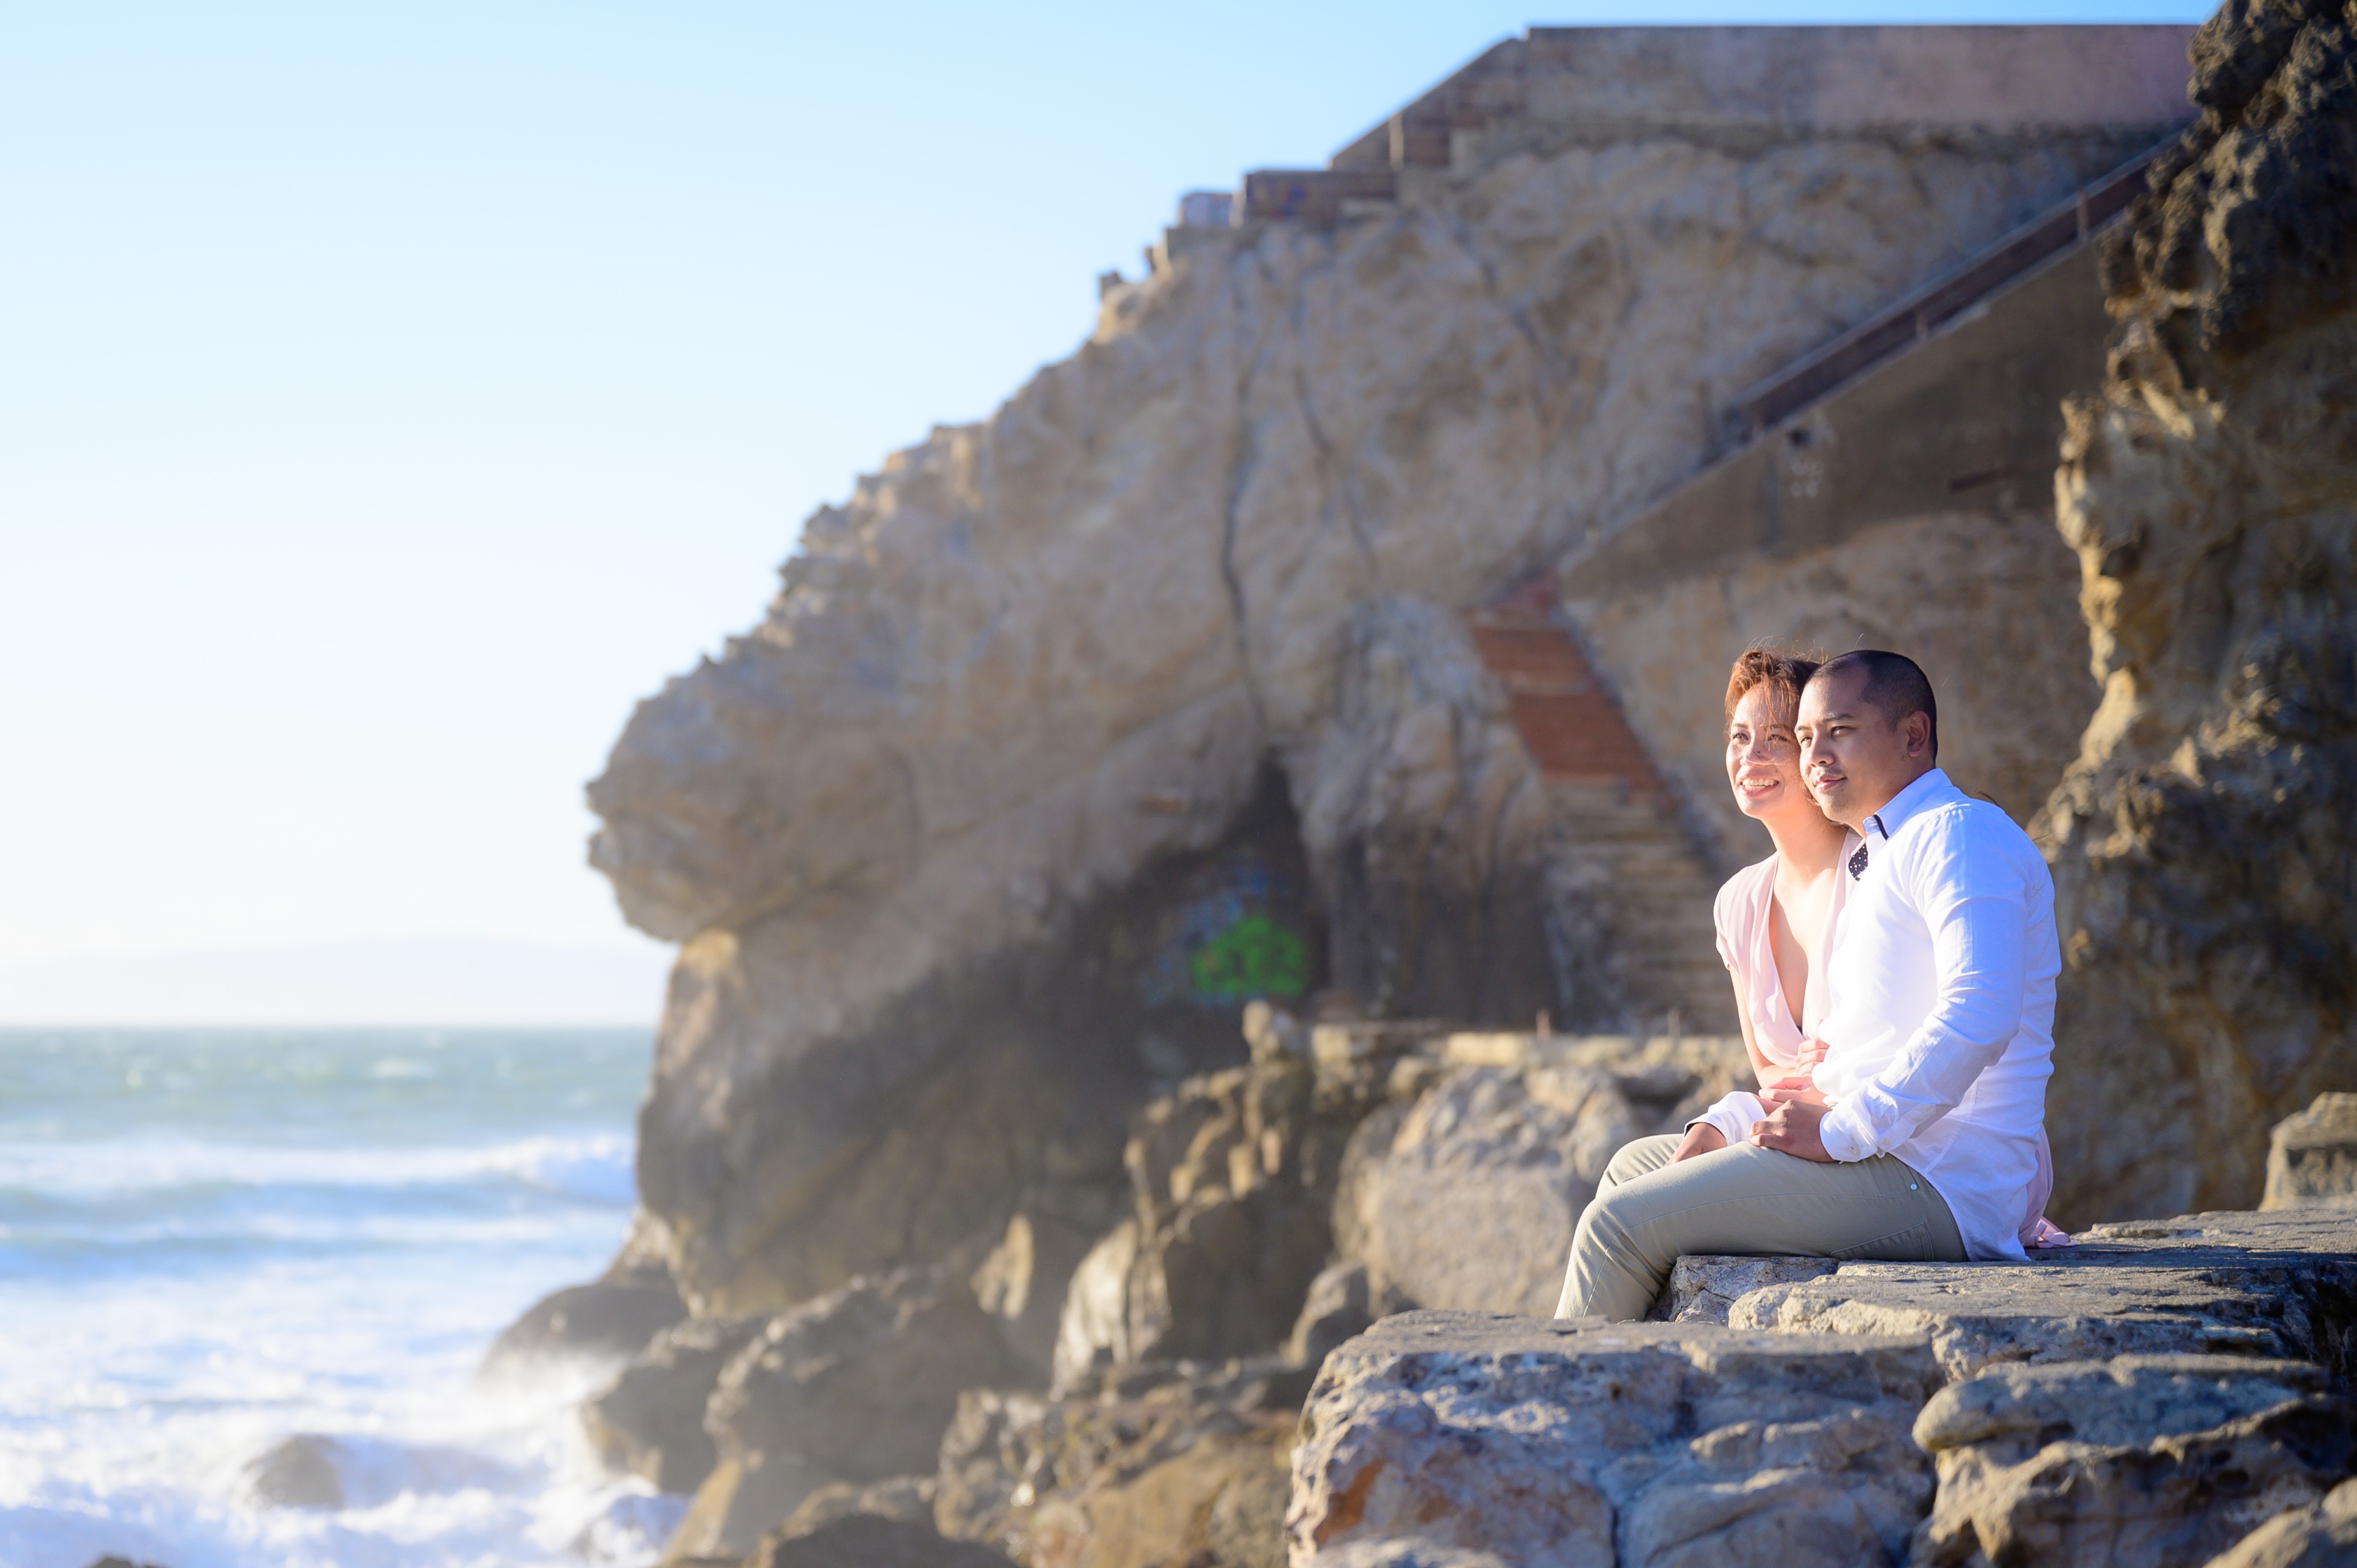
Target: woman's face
1763,761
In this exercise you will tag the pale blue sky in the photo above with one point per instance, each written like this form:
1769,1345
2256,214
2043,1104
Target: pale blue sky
391,396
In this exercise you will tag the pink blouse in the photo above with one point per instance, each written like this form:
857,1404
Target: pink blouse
1747,945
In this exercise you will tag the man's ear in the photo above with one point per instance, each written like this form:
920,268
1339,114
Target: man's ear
1915,730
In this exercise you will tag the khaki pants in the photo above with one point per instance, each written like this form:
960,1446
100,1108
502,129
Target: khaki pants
1739,1200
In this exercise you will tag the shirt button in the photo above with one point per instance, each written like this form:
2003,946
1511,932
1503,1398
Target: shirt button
1910,1187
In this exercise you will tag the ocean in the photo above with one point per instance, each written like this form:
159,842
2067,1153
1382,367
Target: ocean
211,1240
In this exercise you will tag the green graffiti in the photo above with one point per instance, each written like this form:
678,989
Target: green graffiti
1255,957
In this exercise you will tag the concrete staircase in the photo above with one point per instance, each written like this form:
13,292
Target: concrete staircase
1630,881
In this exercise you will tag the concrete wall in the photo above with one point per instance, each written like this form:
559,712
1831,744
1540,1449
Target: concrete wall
1913,510
1985,79
1610,82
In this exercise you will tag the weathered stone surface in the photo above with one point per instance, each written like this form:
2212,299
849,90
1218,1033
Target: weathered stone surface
1702,1289
2312,1156
2280,1285
649,1421
739,1503
861,1381
1576,1442
1161,1468
2321,1535
870,1540
297,1472
2204,867
1340,1306
1024,1281
1232,1179
1665,1078
612,1318
1426,824
855,1386
906,1498
2139,1462
2152,1400
1470,1200
1033,659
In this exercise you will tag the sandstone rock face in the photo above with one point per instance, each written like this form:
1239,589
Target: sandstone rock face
2203,865
1232,1176
1155,1469
649,1421
2322,1535
2281,1285
872,1541
1426,824
1701,1290
1548,1444
855,1386
2158,1399
610,1319
1340,1306
862,1380
1033,661
2139,1462
2312,1156
1470,1200
908,1499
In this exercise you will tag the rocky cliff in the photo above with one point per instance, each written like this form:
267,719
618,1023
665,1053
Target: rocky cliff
1074,729
2201,846
1343,628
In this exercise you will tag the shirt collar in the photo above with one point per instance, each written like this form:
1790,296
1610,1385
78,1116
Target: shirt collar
1926,791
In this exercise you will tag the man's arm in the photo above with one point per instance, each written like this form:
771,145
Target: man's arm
1971,896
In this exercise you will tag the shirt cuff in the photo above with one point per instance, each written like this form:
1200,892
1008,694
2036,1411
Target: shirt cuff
1733,1115
1846,1136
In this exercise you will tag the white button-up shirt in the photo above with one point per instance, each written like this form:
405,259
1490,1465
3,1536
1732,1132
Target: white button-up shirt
1941,1028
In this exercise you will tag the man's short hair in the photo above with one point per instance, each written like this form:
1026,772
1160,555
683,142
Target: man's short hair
1896,686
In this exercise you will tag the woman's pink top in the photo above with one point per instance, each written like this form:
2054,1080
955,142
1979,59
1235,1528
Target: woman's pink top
1747,945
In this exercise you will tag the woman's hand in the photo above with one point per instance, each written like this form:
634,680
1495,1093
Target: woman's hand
1812,1051
1792,1088
1702,1138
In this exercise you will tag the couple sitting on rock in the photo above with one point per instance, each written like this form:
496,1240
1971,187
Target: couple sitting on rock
1894,965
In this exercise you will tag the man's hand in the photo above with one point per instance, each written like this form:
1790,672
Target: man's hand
1702,1138
1791,1127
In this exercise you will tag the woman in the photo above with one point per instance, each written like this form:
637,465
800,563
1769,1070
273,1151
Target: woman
1776,920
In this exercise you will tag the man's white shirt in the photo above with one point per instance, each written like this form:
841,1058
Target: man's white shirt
1941,1027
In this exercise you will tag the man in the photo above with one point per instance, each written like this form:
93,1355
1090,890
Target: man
1915,1139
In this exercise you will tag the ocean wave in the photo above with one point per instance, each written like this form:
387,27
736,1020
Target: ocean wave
595,1167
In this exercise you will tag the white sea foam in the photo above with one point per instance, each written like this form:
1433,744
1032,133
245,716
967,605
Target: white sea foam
596,1166
280,1250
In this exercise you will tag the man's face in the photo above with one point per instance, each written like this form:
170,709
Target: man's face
1855,759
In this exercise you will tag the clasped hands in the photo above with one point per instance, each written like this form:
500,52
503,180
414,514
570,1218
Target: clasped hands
1794,1110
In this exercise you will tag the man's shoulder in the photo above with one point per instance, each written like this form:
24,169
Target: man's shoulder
1964,824
1957,812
